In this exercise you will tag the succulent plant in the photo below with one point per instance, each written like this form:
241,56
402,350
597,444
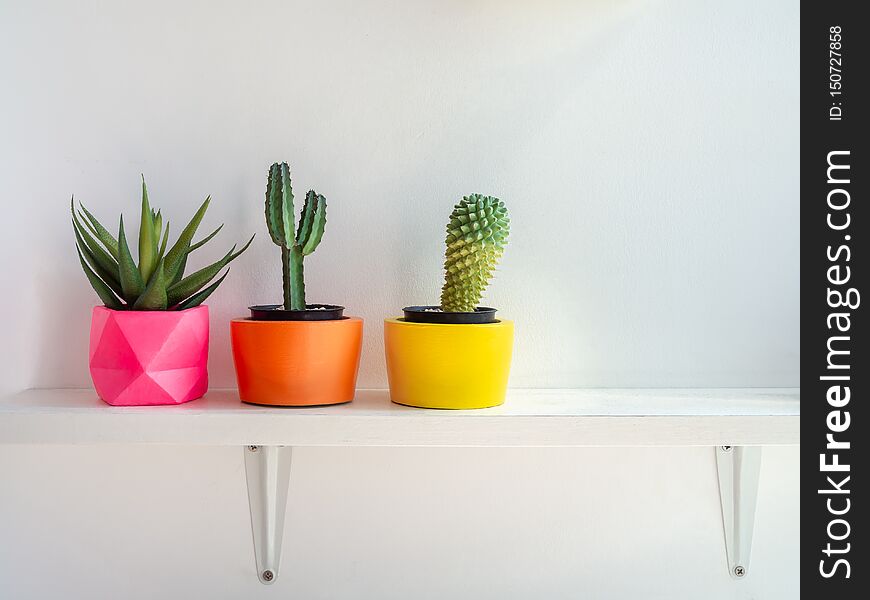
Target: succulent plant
280,219
158,281
476,237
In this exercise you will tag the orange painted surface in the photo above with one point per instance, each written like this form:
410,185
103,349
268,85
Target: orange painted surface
296,363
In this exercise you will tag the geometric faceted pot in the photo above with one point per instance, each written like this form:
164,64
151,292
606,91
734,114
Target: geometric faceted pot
144,358
441,365
296,363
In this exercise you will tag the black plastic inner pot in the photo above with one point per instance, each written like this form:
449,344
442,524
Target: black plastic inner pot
434,314
312,312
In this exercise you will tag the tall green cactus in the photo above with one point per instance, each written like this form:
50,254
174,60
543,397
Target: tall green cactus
280,219
476,237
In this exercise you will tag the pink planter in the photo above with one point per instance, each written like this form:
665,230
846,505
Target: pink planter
142,358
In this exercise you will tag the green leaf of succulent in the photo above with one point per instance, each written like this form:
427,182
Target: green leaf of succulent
132,285
103,291
238,253
179,274
279,205
195,281
104,265
158,230
200,297
476,235
154,296
101,233
178,253
314,232
204,240
147,247
162,249
108,278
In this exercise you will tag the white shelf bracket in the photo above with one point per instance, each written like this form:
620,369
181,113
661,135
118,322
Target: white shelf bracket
738,468
267,469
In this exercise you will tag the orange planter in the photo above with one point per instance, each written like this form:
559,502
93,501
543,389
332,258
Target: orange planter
296,363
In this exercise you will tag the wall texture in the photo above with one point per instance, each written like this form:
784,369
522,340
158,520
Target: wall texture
388,524
654,197
653,191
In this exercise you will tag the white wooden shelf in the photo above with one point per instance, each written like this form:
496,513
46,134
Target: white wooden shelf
735,421
590,417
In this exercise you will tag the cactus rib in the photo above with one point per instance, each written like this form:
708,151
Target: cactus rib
476,236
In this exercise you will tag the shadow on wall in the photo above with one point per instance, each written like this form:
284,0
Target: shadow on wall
63,341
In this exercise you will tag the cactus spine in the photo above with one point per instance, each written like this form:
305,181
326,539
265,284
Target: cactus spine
476,237
280,219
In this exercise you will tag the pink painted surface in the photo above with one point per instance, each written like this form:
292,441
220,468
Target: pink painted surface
141,358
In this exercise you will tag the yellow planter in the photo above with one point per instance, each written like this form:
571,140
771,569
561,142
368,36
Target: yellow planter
434,365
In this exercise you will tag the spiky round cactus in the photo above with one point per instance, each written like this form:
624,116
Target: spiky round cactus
476,237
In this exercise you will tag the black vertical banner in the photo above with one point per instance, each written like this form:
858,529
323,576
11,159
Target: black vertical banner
835,368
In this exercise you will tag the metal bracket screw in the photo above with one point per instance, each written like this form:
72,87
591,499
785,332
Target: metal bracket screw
738,469
267,472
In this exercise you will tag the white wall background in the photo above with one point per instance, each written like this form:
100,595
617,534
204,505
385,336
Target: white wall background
648,151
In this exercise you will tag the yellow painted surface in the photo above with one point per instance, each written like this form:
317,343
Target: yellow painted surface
431,365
